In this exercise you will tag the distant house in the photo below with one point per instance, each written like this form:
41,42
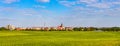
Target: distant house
46,28
68,28
20,28
36,28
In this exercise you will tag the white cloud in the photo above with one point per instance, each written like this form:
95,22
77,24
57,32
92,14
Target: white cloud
6,19
39,6
9,1
45,1
92,17
99,5
67,3
103,4
26,17
88,1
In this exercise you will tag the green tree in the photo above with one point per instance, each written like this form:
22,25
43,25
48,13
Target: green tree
2,28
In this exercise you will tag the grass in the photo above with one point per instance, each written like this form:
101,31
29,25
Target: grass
59,38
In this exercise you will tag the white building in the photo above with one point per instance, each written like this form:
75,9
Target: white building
10,27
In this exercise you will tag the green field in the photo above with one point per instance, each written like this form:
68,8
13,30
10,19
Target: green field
59,38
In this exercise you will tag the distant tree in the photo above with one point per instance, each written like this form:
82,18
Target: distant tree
3,28
91,29
76,29
115,29
110,29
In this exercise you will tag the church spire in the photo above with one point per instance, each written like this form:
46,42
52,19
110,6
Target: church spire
61,25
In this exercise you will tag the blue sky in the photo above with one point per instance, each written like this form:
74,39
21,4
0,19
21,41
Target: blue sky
77,13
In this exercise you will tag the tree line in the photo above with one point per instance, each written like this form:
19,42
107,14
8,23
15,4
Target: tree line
96,29
75,29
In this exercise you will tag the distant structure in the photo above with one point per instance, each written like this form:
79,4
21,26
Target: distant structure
44,28
61,27
20,28
10,27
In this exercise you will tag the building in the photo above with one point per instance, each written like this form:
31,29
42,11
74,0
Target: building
36,28
19,28
61,27
68,28
10,27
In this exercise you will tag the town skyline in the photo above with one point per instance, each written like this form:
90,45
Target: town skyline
72,13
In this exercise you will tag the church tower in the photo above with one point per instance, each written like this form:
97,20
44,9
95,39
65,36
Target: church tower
61,25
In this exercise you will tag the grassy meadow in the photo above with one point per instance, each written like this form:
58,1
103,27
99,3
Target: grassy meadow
59,38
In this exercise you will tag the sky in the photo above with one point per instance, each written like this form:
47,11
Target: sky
51,13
